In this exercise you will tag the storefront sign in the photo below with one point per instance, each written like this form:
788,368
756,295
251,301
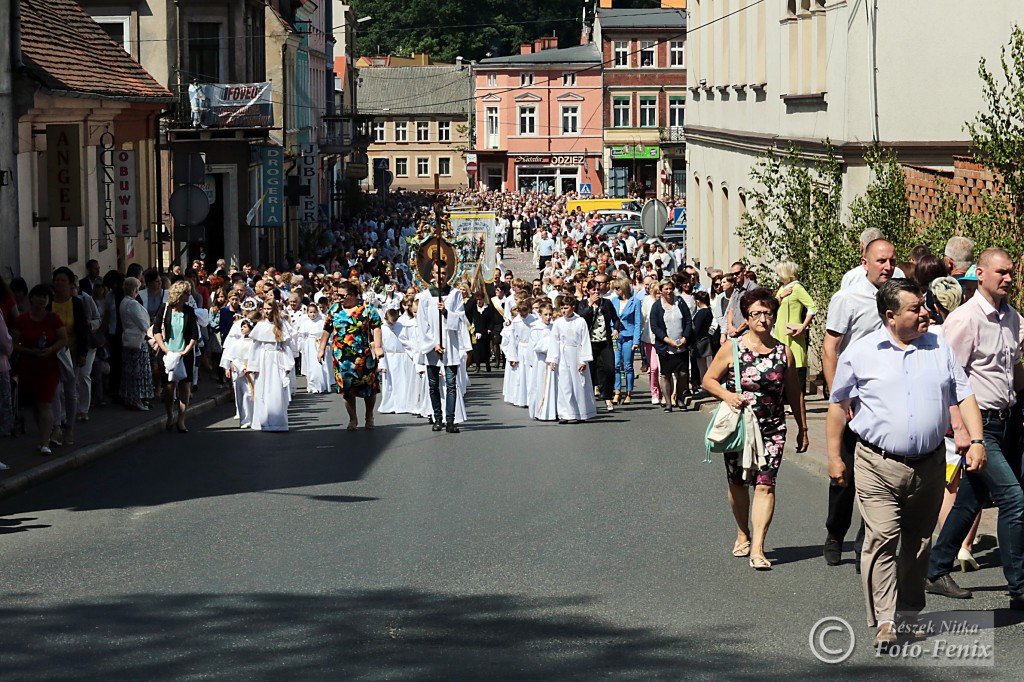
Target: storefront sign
236,105
635,151
552,159
273,186
356,171
308,204
126,217
64,175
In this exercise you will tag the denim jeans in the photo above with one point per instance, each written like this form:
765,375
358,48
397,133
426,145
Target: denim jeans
624,363
999,479
433,383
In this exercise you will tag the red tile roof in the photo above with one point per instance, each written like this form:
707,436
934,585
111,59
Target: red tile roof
67,52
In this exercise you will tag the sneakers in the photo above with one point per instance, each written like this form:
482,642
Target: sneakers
947,587
45,451
4,467
833,551
56,438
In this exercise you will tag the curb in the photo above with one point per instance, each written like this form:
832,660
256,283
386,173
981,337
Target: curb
59,465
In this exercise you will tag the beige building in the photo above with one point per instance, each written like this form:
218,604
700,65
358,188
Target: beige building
421,123
902,73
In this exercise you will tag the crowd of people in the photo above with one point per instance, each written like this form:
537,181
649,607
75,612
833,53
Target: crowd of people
920,362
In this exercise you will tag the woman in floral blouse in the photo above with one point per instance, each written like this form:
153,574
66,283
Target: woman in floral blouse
356,348
768,377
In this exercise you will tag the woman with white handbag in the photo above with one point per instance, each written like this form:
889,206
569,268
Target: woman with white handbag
767,377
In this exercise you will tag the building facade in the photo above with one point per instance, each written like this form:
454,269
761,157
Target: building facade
86,123
538,119
644,100
795,72
420,123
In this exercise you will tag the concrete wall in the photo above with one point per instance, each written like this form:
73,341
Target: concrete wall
805,78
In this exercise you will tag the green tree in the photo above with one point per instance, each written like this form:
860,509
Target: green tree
884,205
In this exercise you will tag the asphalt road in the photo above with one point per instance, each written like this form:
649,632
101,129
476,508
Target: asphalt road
513,551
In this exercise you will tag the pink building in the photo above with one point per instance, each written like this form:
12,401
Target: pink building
538,119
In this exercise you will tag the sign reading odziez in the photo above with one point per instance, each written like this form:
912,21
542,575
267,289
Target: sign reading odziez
235,105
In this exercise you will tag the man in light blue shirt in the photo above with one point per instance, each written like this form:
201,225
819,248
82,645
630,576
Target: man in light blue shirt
545,248
899,383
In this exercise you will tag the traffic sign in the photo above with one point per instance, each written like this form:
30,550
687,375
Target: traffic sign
471,167
380,164
388,178
653,217
585,190
189,205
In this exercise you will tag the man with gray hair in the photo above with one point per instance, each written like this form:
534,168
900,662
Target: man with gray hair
866,237
958,256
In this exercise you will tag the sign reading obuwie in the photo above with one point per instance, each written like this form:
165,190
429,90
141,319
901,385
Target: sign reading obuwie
64,175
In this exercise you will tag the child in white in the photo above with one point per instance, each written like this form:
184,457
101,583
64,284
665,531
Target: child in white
396,369
521,334
318,374
235,362
513,368
274,363
543,379
568,355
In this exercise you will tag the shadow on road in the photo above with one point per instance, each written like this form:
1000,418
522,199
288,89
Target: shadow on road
399,634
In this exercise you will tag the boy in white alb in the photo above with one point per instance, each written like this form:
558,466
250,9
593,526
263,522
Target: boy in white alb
569,354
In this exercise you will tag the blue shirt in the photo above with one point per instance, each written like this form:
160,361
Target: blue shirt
901,396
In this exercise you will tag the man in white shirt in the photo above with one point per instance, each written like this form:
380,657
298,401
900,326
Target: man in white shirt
852,315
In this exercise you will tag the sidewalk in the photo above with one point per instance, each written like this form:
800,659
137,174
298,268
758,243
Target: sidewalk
109,429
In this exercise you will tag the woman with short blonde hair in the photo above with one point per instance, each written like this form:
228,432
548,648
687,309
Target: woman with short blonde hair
796,311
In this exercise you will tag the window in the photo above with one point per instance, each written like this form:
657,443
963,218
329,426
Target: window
647,57
621,50
492,127
620,112
401,131
570,120
492,80
204,52
117,29
648,112
527,120
444,166
569,79
676,108
444,131
526,78
676,53
402,167
422,166
378,131
423,131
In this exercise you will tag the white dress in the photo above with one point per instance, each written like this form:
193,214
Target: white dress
510,349
521,394
398,370
543,380
570,347
415,392
319,375
275,363
236,357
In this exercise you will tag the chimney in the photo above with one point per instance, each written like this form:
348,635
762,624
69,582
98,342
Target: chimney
458,63
526,48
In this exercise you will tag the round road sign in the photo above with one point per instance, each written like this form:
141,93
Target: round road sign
654,217
471,167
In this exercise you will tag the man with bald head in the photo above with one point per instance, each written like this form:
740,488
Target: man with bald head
852,314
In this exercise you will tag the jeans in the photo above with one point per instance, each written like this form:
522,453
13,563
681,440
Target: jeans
434,385
999,479
624,363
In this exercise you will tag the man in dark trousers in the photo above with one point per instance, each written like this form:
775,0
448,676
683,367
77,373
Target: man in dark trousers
529,226
482,317
603,322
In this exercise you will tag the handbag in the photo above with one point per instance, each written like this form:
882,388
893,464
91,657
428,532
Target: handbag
727,431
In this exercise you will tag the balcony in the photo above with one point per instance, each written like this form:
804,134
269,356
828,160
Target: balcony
672,134
345,134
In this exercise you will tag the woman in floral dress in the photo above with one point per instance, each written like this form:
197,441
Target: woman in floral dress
767,377
356,348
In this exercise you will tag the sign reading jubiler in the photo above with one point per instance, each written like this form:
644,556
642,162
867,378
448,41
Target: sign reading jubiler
236,105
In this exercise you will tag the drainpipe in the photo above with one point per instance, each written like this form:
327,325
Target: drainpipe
872,12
